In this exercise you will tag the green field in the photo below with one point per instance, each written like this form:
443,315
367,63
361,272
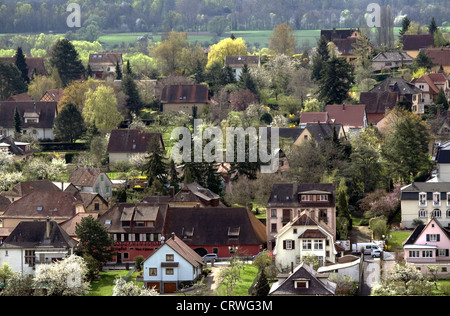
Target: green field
259,39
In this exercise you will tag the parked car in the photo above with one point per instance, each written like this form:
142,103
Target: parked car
268,252
376,253
209,257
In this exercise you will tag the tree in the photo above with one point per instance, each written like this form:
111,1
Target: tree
21,63
406,22
6,273
17,123
406,149
226,47
320,59
422,61
335,82
282,41
94,239
246,80
101,109
63,278
66,60
218,25
133,100
11,81
118,71
432,28
69,124
124,288
155,167
169,51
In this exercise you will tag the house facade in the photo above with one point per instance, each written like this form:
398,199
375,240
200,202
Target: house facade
103,65
37,118
289,200
171,265
185,98
92,180
32,244
125,144
412,44
301,238
236,63
391,60
430,85
429,245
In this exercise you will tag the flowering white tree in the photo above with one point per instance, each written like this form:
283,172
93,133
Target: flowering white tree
124,288
67,277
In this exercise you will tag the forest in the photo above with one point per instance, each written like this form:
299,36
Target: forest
203,15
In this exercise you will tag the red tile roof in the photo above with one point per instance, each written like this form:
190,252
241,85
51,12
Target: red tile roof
439,56
185,94
417,42
346,114
130,141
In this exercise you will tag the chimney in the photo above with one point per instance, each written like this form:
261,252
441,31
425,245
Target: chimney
47,228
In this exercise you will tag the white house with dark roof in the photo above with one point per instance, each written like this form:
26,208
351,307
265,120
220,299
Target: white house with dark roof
171,265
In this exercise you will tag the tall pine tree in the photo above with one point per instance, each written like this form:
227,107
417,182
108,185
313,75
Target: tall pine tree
155,166
65,58
21,63
320,59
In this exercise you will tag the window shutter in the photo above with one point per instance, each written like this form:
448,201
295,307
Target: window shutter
284,244
428,237
438,237
446,252
293,244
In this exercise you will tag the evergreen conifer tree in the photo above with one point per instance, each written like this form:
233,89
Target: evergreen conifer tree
65,59
21,63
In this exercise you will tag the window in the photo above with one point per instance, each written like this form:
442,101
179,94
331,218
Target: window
436,199
307,245
443,252
289,244
422,199
169,271
273,213
437,213
30,257
447,213
318,244
427,253
414,253
323,197
306,198
169,257
301,284
423,213
433,237
152,271
273,227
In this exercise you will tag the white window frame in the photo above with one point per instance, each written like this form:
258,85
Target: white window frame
437,213
436,199
422,202
423,213
414,254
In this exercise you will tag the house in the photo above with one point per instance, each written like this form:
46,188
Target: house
136,228
31,244
194,195
103,65
300,238
22,97
352,116
26,187
36,65
320,132
403,89
442,160
53,95
37,118
344,39
421,201
378,104
304,281
430,85
69,226
440,57
185,98
20,150
288,200
173,264
348,265
334,34
225,231
391,60
236,63
92,180
412,44
429,245
125,143
313,117
38,205
93,202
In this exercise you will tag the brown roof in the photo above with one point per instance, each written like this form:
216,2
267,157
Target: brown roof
101,61
184,250
131,141
26,187
43,204
20,97
85,177
312,233
35,65
113,218
345,45
432,80
194,192
440,57
347,114
53,95
211,226
47,112
378,102
69,225
333,34
417,42
197,93
313,117
33,235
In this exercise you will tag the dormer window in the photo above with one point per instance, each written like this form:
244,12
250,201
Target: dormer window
301,283
422,199
436,199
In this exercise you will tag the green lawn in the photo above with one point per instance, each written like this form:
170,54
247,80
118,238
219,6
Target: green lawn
104,286
398,237
247,276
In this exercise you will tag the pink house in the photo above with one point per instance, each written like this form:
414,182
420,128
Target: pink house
429,245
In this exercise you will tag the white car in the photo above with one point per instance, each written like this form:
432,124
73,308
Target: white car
376,253
209,257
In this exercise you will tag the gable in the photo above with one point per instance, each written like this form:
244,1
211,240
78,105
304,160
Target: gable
45,112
